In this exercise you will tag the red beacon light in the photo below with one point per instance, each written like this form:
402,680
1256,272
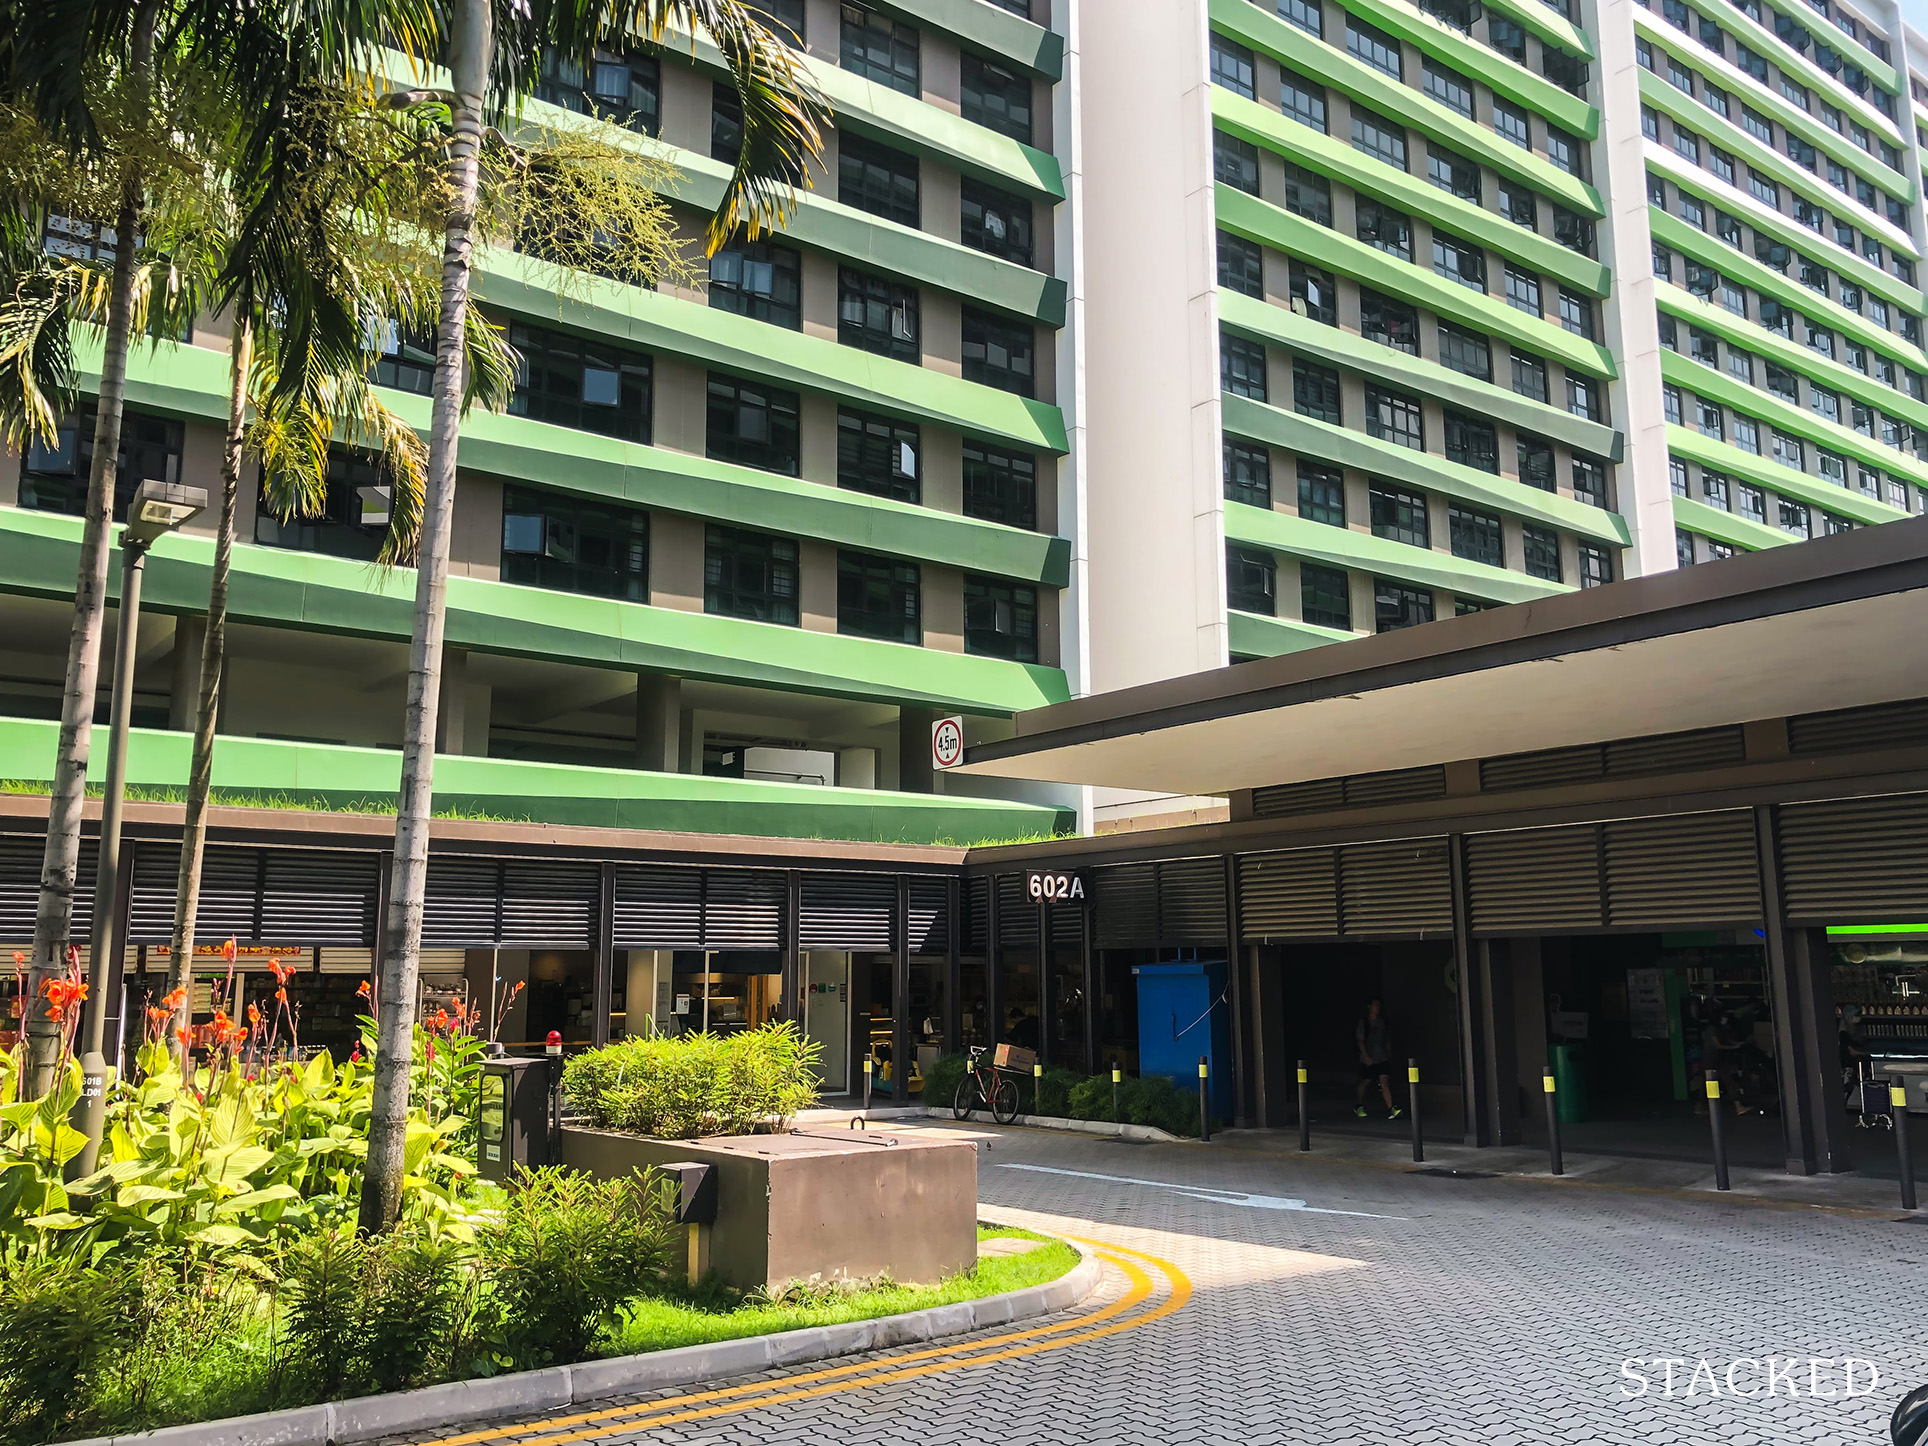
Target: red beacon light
553,1047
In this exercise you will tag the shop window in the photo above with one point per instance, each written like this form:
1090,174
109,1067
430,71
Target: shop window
1000,619
1000,485
878,456
565,544
878,597
750,575
753,425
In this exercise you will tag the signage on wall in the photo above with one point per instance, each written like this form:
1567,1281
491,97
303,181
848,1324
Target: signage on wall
947,742
1055,886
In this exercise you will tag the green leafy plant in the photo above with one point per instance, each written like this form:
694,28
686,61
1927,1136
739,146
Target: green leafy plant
63,1323
1148,1100
698,1084
378,1313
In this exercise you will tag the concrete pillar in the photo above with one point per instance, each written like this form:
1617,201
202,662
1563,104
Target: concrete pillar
856,768
451,715
184,687
914,771
659,723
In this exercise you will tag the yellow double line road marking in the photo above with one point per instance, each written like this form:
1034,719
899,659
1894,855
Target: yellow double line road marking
1121,1315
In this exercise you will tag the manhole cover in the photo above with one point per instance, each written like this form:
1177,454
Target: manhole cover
1444,1174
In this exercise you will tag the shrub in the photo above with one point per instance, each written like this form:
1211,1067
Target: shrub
941,1080
60,1328
378,1314
1151,1100
1050,1096
1091,1099
698,1084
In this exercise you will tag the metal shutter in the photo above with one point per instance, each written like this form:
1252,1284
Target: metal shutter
319,896
1401,887
549,905
1066,922
461,903
1191,902
1125,900
230,900
1855,861
20,859
1282,800
1534,879
1289,895
1017,914
1848,730
848,911
976,904
1402,785
1689,869
658,908
930,916
1676,752
743,908
1541,770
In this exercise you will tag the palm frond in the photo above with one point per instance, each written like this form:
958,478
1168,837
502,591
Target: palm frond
39,383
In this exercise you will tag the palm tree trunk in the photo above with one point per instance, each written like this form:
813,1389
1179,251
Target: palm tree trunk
470,45
54,914
200,773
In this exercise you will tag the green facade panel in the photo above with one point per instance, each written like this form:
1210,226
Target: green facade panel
1762,39
1726,527
1252,635
283,774
994,30
1690,445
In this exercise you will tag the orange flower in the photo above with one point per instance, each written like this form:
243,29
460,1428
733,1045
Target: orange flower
254,1015
62,996
282,995
19,960
185,1036
362,992
282,972
173,1000
229,950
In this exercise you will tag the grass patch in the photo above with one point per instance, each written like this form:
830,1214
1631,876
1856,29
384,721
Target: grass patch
713,1313
380,806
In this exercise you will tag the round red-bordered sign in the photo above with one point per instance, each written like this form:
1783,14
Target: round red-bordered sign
947,742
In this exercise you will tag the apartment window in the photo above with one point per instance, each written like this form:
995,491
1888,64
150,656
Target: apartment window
1789,451
878,456
1384,229
877,597
751,424
1374,46
1397,606
760,280
1399,515
1476,536
879,48
1232,66
1542,552
1795,518
1833,525
1308,194
571,382
1511,123
1535,458
1507,37
1704,346
1679,76
1669,332
1753,502
1820,339
1313,293
1447,86
1248,474
1241,265
1683,548
1519,205
750,575
1564,151
1590,481
1523,292
1457,13
1752,62
877,315
1000,485
1677,476
1303,13
1764,190
1824,403
1322,495
1453,173
1465,352
1576,313
1235,162
1251,581
783,17
1747,434
1303,100
999,353
877,179
726,123
1832,466
1709,422
1728,228
1721,164
404,361
1715,99
1394,417
1325,597
352,520
1378,137
1692,212
1315,391
1459,261
995,222
1388,321
1649,117
615,87
1670,403
1740,365
1241,367
1472,442
557,542
998,97
1783,383
1573,231
1583,397
1000,619
1713,488
1529,376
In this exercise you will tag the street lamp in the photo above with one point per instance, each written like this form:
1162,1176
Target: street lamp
158,508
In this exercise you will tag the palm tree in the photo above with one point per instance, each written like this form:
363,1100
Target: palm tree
494,52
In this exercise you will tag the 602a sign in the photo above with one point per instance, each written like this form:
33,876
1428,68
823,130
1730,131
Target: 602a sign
1055,886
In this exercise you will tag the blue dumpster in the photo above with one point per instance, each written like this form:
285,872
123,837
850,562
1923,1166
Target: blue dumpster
1183,1013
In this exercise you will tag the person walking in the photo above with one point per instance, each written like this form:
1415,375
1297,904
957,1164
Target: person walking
1374,1044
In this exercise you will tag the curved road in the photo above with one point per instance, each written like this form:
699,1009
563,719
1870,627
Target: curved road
1261,1298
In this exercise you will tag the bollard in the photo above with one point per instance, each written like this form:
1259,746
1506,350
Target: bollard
1204,1105
1037,1086
1553,1125
1305,1114
1412,1088
1898,1102
1719,1127
867,1068
1116,1075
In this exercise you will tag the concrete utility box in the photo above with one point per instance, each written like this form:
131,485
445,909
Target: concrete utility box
828,1205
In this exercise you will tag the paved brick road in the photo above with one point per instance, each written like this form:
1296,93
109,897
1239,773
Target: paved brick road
1445,1311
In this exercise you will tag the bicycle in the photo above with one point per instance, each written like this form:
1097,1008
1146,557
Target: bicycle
999,1095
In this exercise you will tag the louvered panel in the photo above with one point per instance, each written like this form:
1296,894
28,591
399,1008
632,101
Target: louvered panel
1282,800
1289,895
229,903
1676,752
461,903
658,908
1124,901
1855,861
1404,785
1541,770
1066,922
21,856
1017,914
319,896
1850,730
1534,879
549,905
930,916
1191,901
1690,869
975,902
848,911
743,909
1400,887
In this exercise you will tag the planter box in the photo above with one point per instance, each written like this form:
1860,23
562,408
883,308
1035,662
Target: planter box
823,1205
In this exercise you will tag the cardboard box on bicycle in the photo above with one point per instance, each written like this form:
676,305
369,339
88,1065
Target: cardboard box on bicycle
1015,1056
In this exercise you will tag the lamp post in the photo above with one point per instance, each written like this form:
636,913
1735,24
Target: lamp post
158,508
